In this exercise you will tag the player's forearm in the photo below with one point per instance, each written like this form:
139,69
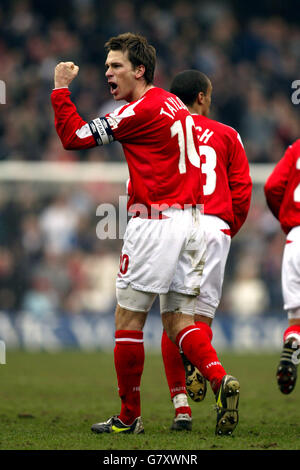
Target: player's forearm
273,199
274,191
276,183
240,184
68,122
239,220
241,199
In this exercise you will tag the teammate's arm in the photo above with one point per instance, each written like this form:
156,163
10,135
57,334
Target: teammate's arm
276,183
240,184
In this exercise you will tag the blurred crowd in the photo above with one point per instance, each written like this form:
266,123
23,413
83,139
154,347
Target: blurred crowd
50,258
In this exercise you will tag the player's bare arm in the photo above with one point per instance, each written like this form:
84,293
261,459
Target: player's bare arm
64,74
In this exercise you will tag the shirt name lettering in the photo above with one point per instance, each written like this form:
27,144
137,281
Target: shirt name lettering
173,104
205,135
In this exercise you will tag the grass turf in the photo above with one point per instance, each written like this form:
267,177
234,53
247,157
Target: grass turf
49,401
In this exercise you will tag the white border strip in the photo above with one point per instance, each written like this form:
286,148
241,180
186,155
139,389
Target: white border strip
16,170
133,340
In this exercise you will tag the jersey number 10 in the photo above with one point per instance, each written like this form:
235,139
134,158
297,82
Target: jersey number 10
208,167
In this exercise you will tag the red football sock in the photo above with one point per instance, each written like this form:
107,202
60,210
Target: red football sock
185,410
195,344
173,366
205,327
294,331
129,363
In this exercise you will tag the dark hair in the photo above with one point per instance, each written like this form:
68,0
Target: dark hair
140,52
188,84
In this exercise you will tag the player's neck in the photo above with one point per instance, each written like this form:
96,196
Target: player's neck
141,90
195,109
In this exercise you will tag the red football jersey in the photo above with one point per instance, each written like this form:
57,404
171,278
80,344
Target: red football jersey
159,140
282,188
227,184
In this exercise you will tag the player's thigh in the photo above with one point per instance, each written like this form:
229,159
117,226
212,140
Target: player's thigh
134,301
151,251
218,243
203,318
129,320
177,306
174,322
187,276
291,271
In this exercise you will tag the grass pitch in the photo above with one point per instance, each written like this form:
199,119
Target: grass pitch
49,401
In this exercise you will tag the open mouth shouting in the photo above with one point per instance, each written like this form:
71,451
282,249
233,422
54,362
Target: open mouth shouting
113,87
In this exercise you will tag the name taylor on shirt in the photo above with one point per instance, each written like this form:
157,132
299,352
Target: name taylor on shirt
174,104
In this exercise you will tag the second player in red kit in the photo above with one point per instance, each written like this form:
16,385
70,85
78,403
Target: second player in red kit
282,190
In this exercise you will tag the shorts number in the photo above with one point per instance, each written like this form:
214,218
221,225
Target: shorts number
297,190
193,156
124,263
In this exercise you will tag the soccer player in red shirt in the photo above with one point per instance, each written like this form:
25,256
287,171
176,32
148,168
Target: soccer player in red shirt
165,244
227,188
282,190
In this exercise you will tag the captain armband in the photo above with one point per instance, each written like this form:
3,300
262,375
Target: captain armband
101,131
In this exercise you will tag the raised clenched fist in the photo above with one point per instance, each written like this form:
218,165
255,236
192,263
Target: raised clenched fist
65,72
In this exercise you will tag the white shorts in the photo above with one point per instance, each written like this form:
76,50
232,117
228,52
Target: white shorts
218,240
157,253
290,273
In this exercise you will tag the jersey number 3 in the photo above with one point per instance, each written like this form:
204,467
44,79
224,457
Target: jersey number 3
208,168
